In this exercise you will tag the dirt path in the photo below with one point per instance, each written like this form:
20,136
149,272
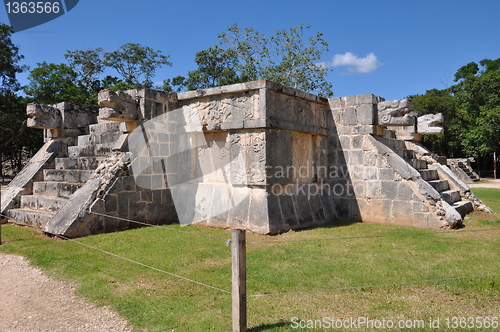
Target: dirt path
491,184
31,301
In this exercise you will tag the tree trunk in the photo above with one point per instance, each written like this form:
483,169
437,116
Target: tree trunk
495,165
19,161
1,167
13,136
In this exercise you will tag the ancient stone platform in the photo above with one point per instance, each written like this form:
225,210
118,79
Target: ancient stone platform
256,155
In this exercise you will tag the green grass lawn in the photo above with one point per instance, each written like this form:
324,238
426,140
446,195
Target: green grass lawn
347,255
483,181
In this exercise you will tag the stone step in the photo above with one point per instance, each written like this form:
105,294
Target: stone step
81,151
429,174
103,149
440,185
450,196
42,203
61,175
55,189
418,163
463,207
81,163
389,134
104,127
36,219
409,154
396,144
100,138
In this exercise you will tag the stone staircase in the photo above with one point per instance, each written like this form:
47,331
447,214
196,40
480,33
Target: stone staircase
68,174
463,166
449,195
431,176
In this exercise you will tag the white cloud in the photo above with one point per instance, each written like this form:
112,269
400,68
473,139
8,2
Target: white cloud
356,65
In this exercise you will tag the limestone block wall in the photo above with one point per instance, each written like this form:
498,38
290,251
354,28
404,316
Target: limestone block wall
255,155
75,120
381,187
128,202
274,138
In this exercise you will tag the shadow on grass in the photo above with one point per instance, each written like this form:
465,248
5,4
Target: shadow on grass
268,327
329,224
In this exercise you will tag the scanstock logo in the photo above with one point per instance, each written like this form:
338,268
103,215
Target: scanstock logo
205,177
28,14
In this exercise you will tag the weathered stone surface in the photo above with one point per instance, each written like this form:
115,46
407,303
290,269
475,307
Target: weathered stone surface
36,219
366,114
63,222
389,189
42,203
43,116
463,170
117,106
429,124
23,182
450,196
395,113
255,155
452,216
258,218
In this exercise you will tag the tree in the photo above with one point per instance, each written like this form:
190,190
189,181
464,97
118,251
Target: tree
14,136
16,140
477,94
216,67
287,57
115,84
175,84
12,118
52,83
471,110
251,48
132,61
298,61
441,101
88,64
9,58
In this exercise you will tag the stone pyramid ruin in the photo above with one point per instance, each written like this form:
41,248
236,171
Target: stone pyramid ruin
256,155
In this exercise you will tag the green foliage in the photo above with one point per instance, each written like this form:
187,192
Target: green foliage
132,61
52,83
115,84
477,96
10,122
89,64
251,48
471,109
9,58
287,57
297,64
441,101
216,67
15,138
490,197
79,82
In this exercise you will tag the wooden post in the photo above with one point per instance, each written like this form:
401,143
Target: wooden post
239,279
495,165
1,183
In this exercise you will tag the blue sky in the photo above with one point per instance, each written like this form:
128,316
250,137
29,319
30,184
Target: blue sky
389,48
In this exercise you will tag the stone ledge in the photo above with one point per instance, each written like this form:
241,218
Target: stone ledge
254,85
